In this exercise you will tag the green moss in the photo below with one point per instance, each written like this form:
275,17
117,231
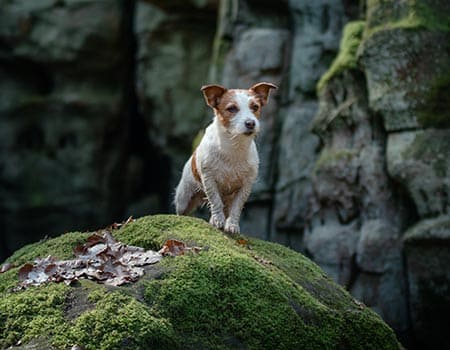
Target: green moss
60,247
118,321
32,313
331,158
346,58
409,14
436,110
258,295
360,323
229,297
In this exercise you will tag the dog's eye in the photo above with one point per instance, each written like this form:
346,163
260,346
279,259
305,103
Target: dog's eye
233,109
254,107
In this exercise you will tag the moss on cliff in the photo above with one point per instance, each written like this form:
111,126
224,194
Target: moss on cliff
236,293
346,58
409,14
330,159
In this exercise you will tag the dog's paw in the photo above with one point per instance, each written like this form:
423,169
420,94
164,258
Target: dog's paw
217,220
231,227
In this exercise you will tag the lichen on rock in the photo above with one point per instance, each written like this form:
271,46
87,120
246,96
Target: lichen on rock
236,293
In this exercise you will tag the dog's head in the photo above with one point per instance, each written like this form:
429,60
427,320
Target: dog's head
238,110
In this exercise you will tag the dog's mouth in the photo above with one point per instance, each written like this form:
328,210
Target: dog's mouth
249,133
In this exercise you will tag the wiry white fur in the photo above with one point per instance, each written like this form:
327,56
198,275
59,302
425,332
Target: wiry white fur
227,162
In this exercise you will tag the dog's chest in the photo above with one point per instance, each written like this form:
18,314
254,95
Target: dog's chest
231,172
232,175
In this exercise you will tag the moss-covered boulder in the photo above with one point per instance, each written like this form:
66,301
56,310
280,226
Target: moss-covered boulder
236,293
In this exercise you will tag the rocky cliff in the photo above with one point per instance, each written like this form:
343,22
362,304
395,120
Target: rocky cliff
100,105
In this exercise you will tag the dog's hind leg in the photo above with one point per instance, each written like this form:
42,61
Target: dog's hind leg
188,195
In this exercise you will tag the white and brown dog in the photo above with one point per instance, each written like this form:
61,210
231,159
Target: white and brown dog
222,169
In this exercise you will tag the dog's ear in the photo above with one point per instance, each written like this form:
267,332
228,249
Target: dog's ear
212,94
262,91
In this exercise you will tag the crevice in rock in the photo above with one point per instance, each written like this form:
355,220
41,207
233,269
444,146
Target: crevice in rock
131,134
353,273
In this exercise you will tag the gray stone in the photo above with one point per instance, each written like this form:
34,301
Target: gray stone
61,102
87,31
255,220
260,50
297,145
385,294
172,66
419,161
377,236
296,155
427,249
334,245
317,30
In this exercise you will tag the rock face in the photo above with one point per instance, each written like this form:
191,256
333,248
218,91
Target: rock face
96,123
71,137
173,56
230,295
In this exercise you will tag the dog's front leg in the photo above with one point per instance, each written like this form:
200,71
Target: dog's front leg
214,201
232,222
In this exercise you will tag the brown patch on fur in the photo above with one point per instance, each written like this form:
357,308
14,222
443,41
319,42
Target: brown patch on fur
255,107
227,100
194,169
262,90
213,94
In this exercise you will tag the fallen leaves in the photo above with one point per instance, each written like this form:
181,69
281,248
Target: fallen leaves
103,259
173,247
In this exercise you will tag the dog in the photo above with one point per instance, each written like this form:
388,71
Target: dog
224,166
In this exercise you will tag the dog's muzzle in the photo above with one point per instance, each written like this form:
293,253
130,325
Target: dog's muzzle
250,127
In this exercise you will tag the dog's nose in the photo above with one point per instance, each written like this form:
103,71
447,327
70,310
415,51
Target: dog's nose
250,124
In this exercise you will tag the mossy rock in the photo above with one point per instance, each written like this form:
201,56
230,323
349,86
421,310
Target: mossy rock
347,56
256,295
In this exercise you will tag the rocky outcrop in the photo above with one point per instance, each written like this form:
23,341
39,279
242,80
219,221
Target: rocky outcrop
230,295
61,102
74,148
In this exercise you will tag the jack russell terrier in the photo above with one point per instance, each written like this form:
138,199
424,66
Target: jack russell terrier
222,169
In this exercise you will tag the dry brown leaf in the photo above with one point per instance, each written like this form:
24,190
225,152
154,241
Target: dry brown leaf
242,241
174,247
